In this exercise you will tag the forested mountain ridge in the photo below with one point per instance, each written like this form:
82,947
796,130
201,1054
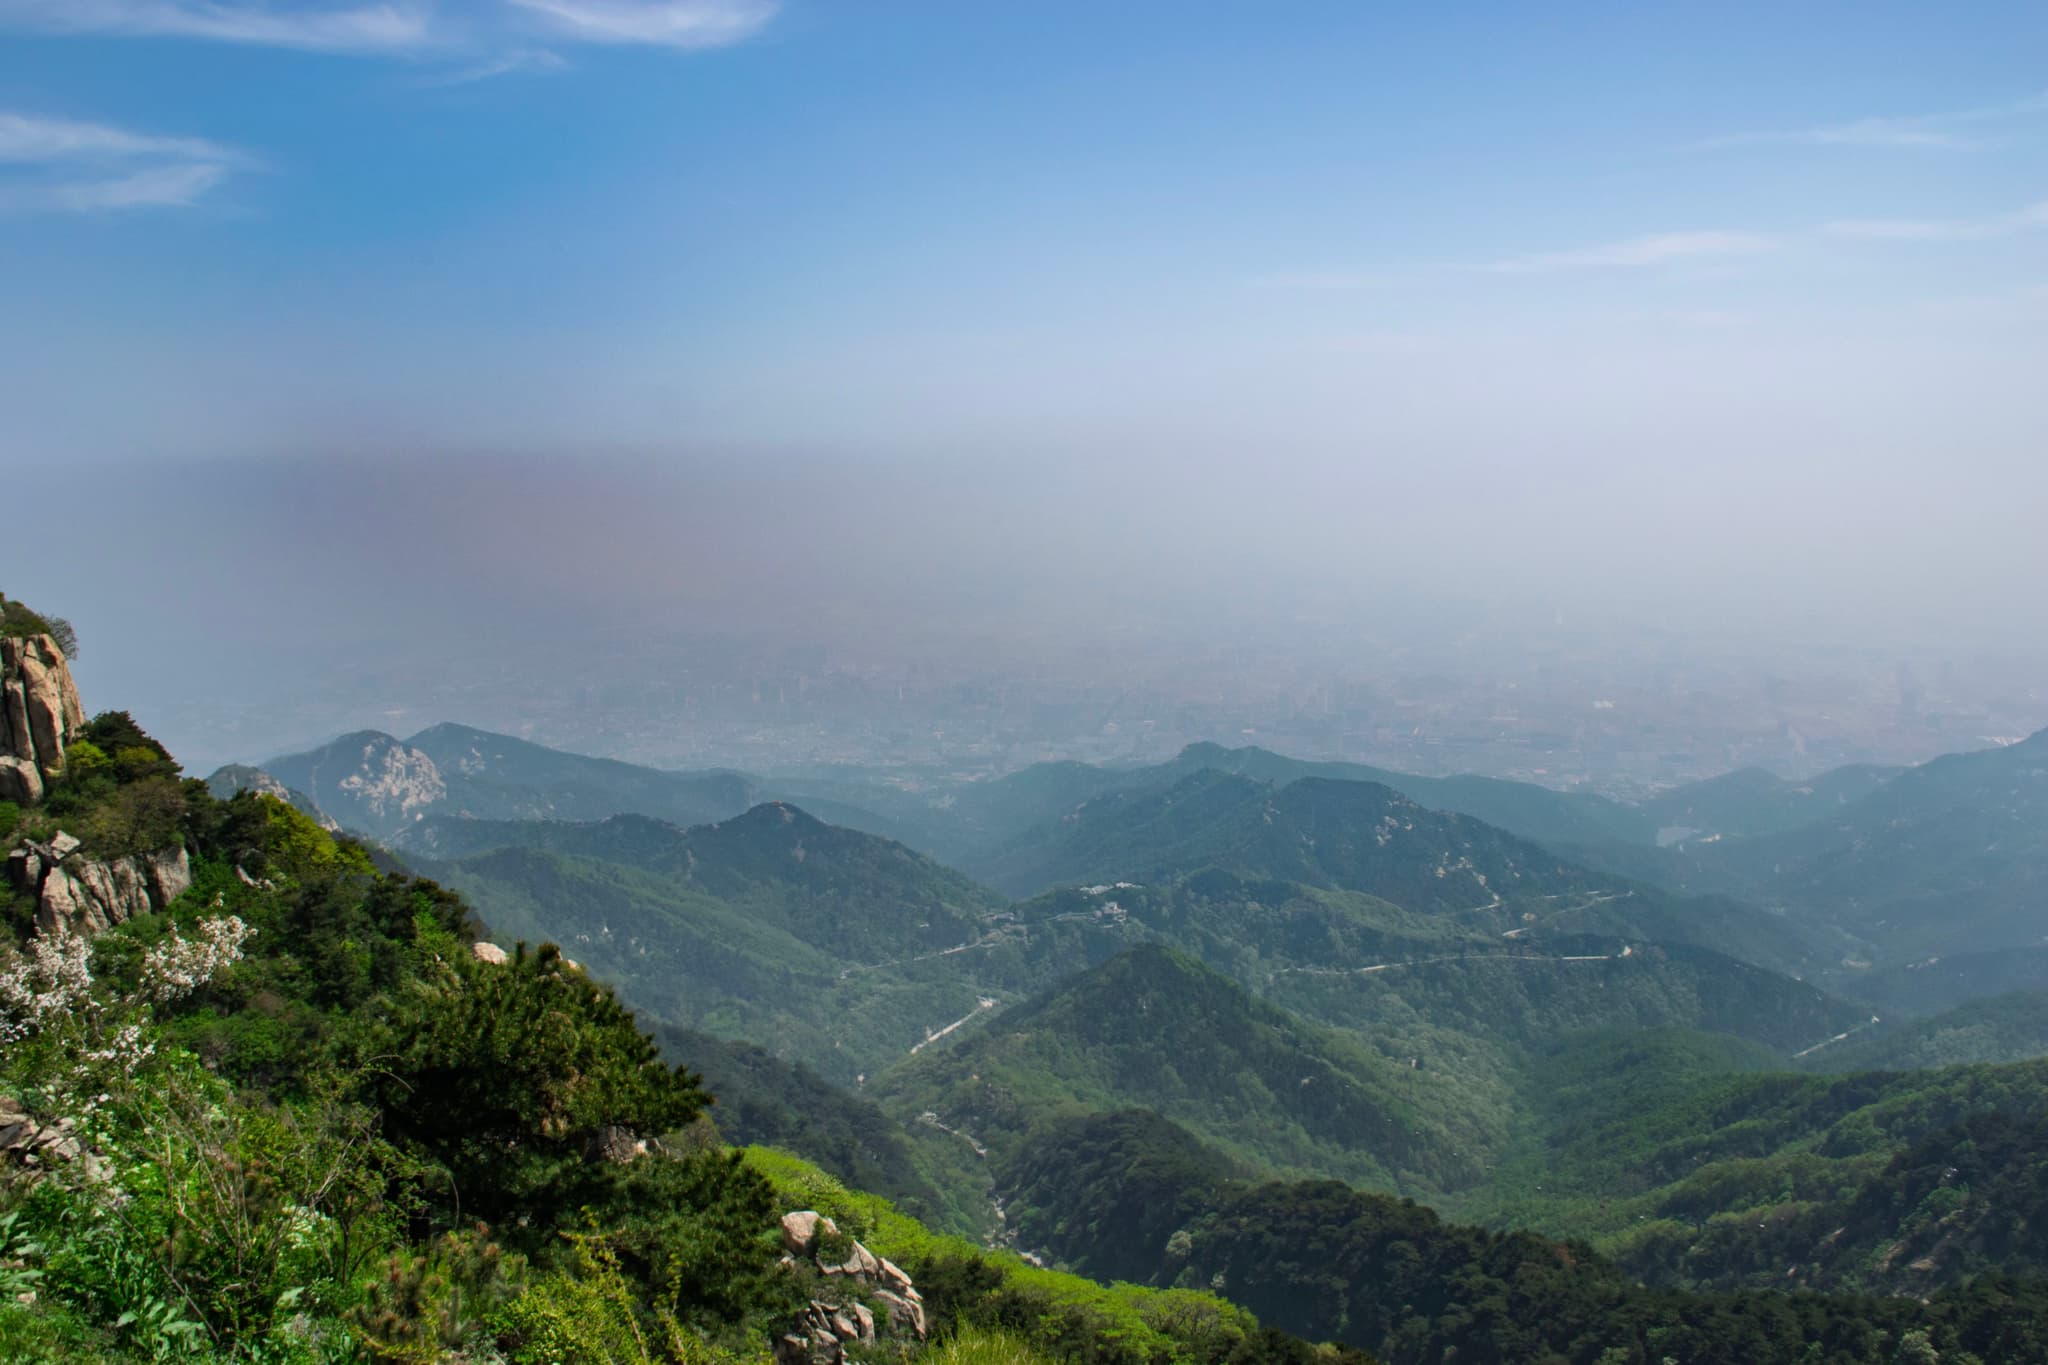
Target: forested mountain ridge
1156,1029
1367,838
846,892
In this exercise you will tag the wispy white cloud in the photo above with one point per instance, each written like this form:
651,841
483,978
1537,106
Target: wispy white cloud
1942,229
70,166
179,186
39,139
666,23
1657,249
495,37
516,61
388,26
1947,129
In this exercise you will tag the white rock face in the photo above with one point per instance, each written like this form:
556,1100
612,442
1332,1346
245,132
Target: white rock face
395,779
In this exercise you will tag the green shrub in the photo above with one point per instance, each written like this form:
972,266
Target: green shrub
591,1312
439,1299
18,622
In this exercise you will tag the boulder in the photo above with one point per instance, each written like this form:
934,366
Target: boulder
905,1314
489,952
32,1143
170,875
860,1263
800,1231
15,737
890,1276
16,1127
615,1144
20,780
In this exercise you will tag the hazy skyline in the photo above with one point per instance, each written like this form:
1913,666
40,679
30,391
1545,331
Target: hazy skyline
888,320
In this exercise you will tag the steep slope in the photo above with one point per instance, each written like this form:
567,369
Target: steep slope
226,781
1693,1168
762,1100
849,893
1153,1028
684,957
1364,837
2001,1028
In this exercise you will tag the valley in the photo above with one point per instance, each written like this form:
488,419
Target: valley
1429,976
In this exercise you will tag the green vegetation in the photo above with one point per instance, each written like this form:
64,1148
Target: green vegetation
1156,1029
1049,1313
690,959
766,1101
2004,1028
301,1094
1384,1274
18,621
297,1119
321,1128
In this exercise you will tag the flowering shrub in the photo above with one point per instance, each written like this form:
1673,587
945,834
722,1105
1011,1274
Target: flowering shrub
77,1036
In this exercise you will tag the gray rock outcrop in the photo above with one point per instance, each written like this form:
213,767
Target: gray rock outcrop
31,1143
40,713
820,1333
90,895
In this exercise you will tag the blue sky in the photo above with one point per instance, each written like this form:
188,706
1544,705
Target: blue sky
229,226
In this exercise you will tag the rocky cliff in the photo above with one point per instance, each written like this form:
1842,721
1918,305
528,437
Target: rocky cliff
40,715
87,895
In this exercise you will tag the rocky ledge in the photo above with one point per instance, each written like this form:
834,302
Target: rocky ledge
821,1333
87,895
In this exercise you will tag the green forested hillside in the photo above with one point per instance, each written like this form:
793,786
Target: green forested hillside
689,958
856,895
1155,1029
1393,1277
1366,838
2002,1028
762,1100
1692,1164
